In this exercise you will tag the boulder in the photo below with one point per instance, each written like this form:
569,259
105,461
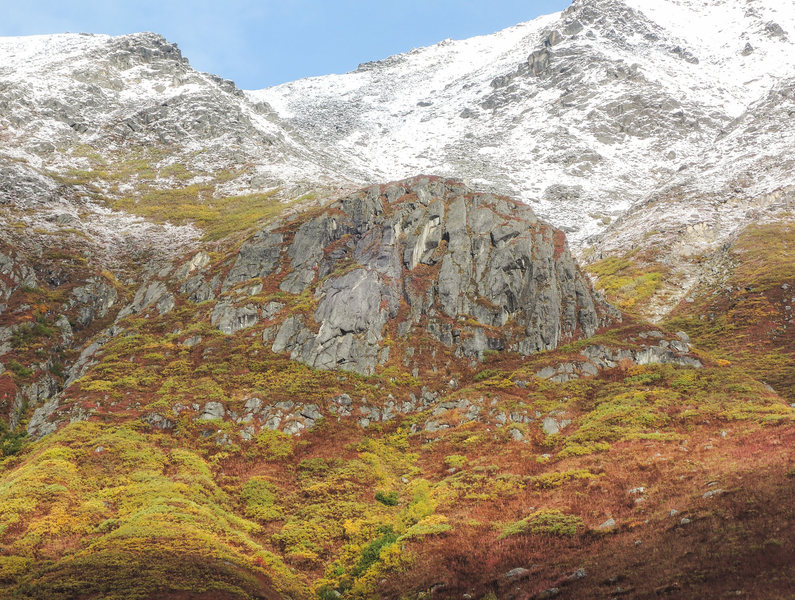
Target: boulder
212,411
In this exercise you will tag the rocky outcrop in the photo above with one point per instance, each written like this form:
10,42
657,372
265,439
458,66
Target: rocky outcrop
14,274
230,319
95,299
155,294
598,356
426,256
257,258
352,313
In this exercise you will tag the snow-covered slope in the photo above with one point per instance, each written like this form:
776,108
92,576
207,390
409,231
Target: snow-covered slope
57,91
583,114
89,120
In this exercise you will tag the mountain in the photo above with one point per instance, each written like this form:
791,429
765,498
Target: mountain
630,121
503,318
95,128
657,134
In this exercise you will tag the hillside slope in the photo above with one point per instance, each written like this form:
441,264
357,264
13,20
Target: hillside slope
409,392
238,362
653,132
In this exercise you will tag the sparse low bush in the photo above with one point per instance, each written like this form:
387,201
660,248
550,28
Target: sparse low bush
431,525
372,551
455,461
547,522
259,496
19,369
387,498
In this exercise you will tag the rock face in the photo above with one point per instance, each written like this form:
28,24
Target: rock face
95,298
476,272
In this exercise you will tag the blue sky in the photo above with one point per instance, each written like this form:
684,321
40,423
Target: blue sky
258,43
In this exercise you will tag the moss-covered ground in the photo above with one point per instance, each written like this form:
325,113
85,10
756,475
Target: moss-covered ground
112,508
750,320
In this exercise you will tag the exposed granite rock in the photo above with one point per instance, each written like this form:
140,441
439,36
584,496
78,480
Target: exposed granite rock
199,261
157,421
352,320
32,394
154,293
39,425
538,62
67,335
477,272
212,411
552,426
87,355
673,353
608,525
567,371
292,335
95,299
258,257
5,338
198,289
230,319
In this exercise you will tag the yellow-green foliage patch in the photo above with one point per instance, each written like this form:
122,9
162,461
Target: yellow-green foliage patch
147,183
766,253
626,281
745,321
431,525
333,506
153,368
259,496
455,461
92,503
273,445
218,217
478,485
545,522
652,402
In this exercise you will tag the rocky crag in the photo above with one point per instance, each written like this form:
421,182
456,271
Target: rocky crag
426,266
619,122
622,122
474,271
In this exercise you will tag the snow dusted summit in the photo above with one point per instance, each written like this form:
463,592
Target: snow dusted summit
583,114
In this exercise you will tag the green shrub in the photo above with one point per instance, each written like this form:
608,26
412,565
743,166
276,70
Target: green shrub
432,525
275,445
387,498
10,442
27,334
19,369
489,374
547,522
259,496
455,461
372,551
